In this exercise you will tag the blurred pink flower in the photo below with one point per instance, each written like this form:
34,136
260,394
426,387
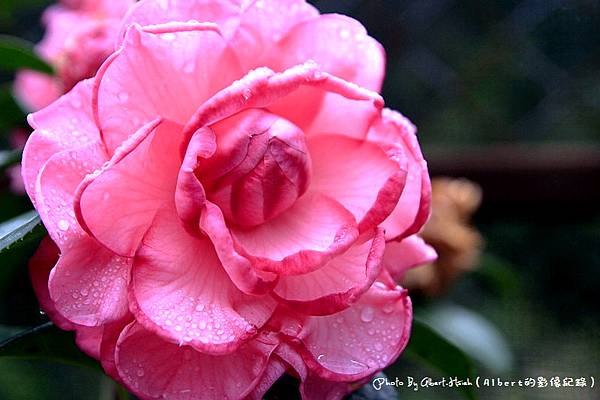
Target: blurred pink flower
219,195
80,35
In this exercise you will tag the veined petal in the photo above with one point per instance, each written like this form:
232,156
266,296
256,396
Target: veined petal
358,174
117,204
301,239
163,71
393,130
339,283
181,292
89,284
361,340
65,124
410,252
341,47
153,368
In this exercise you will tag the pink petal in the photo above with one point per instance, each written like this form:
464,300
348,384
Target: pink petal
89,339
360,341
394,130
263,24
131,87
89,284
66,124
410,252
117,205
150,12
262,88
337,284
299,240
40,265
189,195
108,346
275,369
115,8
152,368
181,291
238,267
312,386
320,109
35,90
341,47
56,186
359,175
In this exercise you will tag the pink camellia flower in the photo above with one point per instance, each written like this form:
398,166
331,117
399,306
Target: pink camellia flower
221,195
80,35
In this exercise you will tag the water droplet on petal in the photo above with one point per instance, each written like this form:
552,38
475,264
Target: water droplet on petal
367,314
63,225
247,93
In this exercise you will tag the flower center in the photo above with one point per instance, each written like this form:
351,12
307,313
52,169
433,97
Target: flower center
260,168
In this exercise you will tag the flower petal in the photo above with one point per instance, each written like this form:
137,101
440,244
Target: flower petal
65,124
300,239
181,292
131,87
89,284
35,90
40,265
361,340
341,47
56,186
117,205
359,175
151,12
312,386
337,284
294,94
89,339
263,24
393,130
153,368
190,196
408,253
275,369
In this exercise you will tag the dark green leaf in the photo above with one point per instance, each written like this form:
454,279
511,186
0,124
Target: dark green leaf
24,229
427,346
18,54
473,334
46,342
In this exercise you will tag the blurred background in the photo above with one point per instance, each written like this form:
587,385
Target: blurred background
506,94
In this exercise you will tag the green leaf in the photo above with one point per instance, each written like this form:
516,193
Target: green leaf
24,229
9,158
46,342
473,334
428,347
18,54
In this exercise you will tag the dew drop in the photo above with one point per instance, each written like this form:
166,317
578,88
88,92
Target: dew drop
246,93
367,314
63,225
388,308
344,33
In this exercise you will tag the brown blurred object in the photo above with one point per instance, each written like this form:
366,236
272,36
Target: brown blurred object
457,243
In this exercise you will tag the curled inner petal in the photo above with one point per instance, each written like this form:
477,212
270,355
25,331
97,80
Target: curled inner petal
261,167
